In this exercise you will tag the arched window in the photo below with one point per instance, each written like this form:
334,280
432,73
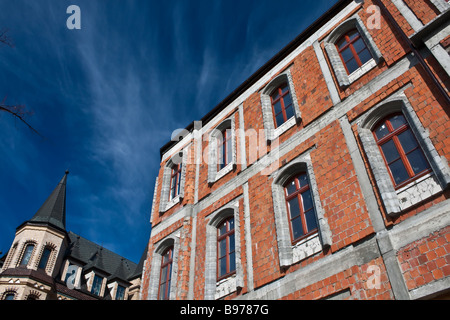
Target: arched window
301,227
29,248
282,106
406,166
9,296
353,50
165,274
400,150
44,258
226,252
300,207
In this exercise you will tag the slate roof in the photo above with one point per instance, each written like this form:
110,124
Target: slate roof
94,256
53,211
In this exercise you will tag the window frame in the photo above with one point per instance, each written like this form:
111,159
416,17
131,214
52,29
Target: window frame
179,160
226,236
302,215
395,201
24,253
168,281
271,130
281,98
288,252
93,287
337,65
175,173
393,136
215,170
50,251
172,240
349,44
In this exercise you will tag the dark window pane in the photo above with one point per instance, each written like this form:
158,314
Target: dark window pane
232,242
359,45
352,65
222,248
222,266
297,228
307,200
27,255
231,224
294,209
353,34
397,121
290,187
364,56
408,141
347,54
9,296
418,161
289,112
311,221
390,151
303,180
287,100
277,107
342,44
232,262
398,171
275,95
44,258
381,131
284,88
223,228
280,119
164,274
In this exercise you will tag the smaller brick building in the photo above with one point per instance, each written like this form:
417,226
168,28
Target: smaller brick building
325,175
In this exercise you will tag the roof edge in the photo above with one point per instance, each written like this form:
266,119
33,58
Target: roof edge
316,25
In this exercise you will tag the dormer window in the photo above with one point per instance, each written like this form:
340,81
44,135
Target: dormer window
97,285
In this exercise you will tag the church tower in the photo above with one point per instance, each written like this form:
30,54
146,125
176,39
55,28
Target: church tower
37,251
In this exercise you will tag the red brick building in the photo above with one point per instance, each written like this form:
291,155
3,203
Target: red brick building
325,175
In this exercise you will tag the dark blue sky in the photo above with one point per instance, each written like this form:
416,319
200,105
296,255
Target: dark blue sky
108,96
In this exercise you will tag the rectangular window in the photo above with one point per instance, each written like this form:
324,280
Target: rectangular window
120,295
97,285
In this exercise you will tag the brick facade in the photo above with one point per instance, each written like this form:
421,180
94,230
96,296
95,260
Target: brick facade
374,240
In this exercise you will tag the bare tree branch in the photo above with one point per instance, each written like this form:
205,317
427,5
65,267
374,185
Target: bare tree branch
5,39
19,112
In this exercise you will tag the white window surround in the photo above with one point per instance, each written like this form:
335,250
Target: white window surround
396,201
164,203
172,240
217,289
273,133
213,174
441,5
289,253
343,78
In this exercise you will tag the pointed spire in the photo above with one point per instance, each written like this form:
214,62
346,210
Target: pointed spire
53,211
